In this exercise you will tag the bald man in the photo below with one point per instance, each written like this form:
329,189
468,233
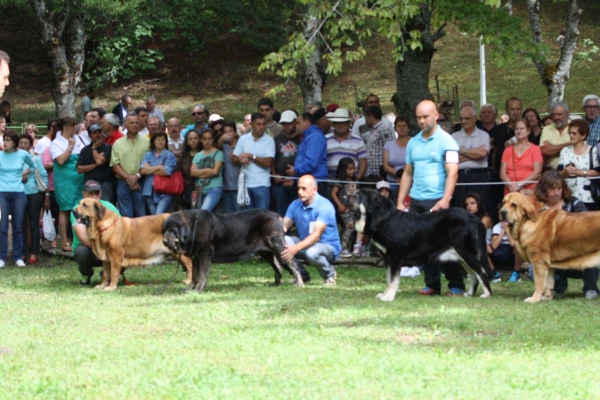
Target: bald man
430,175
318,240
175,139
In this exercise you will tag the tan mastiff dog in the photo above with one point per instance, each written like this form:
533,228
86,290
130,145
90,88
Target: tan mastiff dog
122,242
551,239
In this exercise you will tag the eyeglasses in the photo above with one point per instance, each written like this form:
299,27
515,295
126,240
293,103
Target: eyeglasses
591,107
197,113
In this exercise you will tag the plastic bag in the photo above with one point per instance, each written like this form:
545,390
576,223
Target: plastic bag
48,225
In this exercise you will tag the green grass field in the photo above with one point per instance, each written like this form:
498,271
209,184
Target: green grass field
242,339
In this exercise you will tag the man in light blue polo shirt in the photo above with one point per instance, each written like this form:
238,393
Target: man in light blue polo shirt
318,240
430,174
255,152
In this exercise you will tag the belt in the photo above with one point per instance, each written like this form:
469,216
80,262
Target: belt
472,170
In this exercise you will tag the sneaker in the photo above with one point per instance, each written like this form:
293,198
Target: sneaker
427,291
414,272
515,277
405,272
331,281
357,249
455,292
2,264
496,277
591,294
346,253
20,263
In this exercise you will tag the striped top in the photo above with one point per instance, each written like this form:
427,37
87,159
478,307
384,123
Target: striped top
351,146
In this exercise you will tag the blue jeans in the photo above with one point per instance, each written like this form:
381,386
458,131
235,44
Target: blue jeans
13,204
259,197
131,203
162,206
284,196
230,203
211,198
319,255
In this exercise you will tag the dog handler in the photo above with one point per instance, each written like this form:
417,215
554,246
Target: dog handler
318,240
430,174
82,252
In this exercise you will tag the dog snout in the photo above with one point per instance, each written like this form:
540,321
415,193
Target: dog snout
503,214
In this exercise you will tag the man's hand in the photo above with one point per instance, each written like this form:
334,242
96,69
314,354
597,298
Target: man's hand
71,141
288,182
244,159
289,253
96,145
440,205
131,181
342,209
401,207
290,170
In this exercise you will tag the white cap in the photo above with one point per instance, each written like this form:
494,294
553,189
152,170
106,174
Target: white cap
287,117
382,184
214,117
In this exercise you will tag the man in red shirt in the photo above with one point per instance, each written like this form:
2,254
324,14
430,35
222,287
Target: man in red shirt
110,128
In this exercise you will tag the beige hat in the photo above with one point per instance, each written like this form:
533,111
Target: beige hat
339,115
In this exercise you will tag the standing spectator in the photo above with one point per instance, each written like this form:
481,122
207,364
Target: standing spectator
535,122
377,135
157,162
574,162
342,143
94,163
154,111
255,152
318,240
394,154
267,108
191,147
521,162
142,113
2,131
284,190
13,200
31,220
243,128
200,116
312,152
217,126
359,126
126,158
65,151
591,107
474,147
175,139
207,167
110,128
430,174
555,137
44,142
86,103
32,131
154,126
487,123
121,110
4,71
93,116
5,111
231,172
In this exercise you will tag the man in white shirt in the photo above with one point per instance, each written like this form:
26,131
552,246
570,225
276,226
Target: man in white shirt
153,110
372,100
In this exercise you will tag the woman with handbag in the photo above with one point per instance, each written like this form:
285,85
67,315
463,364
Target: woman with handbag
157,162
206,166
521,162
12,196
34,190
579,161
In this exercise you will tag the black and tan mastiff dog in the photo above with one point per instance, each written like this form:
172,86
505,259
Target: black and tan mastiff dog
227,238
122,242
445,236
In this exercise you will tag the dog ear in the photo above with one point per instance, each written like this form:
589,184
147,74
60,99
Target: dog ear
529,208
374,201
99,209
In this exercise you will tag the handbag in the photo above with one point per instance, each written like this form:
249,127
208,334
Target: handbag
198,193
172,185
42,186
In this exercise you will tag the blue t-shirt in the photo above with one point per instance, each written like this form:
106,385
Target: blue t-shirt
428,160
11,170
321,210
256,176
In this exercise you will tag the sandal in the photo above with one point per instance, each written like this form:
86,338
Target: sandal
67,247
32,259
54,244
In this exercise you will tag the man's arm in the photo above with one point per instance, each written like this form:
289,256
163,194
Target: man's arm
473,154
287,224
81,233
362,168
293,249
405,184
452,177
551,150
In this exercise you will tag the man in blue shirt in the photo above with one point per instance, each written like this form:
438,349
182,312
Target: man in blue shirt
318,240
200,116
430,174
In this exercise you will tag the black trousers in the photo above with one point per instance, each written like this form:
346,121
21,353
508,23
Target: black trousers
86,260
31,222
432,272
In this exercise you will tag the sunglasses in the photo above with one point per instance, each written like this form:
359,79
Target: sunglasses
197,113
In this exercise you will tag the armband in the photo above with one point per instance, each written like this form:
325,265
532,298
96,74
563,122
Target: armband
451,156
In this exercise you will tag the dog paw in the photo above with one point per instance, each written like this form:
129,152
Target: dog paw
299,284
101,286
531,300
387,297
380,295
485,296
187,281
467,294
547,298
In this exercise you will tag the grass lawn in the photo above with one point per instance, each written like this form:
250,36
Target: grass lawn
242,339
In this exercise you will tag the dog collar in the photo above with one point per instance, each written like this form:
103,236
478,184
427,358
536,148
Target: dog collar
114,222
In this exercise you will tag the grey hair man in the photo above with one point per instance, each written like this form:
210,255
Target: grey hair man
4,71
153,110
555,137
175,140
121,109
591,107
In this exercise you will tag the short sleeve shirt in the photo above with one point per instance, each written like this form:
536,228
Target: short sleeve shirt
256,176
396,157
551,134
428,158
206,161
475,140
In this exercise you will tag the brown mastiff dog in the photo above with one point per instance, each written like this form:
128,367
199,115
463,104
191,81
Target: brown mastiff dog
551,239
122,242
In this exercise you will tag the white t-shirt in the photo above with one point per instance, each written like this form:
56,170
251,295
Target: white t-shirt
361,121
59,146
496,231
41,145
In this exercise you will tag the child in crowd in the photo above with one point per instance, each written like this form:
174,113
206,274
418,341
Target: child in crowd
341,194
383,187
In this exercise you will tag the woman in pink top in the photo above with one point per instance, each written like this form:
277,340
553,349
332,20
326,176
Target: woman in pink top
521,162
50,201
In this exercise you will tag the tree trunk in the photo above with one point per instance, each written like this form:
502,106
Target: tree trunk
412,72
65,47
309,78
555,77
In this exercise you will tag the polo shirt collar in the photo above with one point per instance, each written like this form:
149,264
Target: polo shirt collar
422,139
313,204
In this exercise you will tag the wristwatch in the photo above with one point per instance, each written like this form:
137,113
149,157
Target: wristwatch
585,172
138,175
254,157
